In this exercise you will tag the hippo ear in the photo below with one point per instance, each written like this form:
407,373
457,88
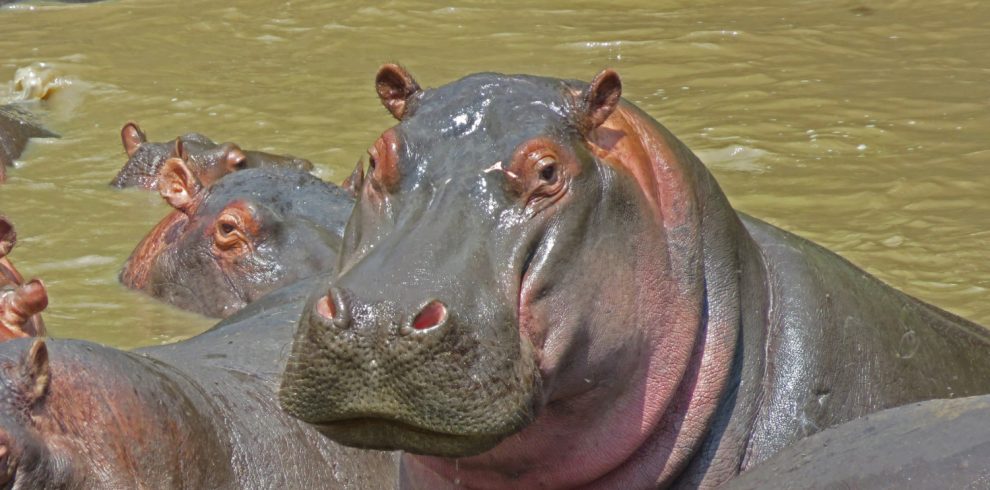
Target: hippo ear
8,237
600,99
234,158
36,371
179,150
353,183
178,185
395,87
132,137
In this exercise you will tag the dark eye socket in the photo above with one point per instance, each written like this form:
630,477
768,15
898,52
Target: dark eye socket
241,164
371,163
226,228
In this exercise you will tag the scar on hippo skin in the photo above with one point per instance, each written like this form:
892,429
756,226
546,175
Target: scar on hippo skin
20,303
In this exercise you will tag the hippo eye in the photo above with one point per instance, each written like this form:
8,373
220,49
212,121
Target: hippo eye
228,235
548,170
371,164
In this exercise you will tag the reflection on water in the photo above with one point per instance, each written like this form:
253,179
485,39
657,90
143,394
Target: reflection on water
861,125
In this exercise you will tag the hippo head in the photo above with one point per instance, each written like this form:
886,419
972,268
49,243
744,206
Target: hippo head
231,243
523,260
25,458
207,160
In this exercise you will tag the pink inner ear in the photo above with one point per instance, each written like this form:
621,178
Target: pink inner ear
430,316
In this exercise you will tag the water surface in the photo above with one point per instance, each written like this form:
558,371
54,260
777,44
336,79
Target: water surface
862,125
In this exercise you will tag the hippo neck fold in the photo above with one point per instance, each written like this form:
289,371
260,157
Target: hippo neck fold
693,319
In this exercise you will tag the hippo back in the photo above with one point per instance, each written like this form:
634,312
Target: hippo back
843,344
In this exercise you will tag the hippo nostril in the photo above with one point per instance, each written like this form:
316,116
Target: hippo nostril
326,308
331,307
433,314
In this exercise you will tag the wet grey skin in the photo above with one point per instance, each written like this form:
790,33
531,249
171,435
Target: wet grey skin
209,160
506,324
201,413
252,232
16,128
930,444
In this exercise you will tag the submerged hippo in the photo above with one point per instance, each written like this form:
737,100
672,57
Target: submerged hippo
16,128
209,161
930,444
21,303
541,287
227,245
197,414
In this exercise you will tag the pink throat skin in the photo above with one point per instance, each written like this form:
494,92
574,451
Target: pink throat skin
621,434
642,441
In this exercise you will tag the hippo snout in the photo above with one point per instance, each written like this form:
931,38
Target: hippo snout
412,375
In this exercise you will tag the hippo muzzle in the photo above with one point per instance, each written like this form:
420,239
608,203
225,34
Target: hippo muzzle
378,375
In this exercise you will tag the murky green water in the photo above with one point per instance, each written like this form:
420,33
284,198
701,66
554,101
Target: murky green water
862,125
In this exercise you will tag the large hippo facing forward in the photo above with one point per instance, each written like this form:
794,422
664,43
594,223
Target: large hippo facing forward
541,287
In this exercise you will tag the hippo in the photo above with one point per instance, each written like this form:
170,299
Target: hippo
17,126
208,160
21,303
941,443
196,414
227,245
541,287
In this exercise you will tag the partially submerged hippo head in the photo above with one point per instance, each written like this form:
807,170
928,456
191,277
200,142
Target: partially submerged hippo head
207,160
521,277
17,127
226,245
21,303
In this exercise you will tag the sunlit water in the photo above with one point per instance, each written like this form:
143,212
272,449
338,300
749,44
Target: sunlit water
862,125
